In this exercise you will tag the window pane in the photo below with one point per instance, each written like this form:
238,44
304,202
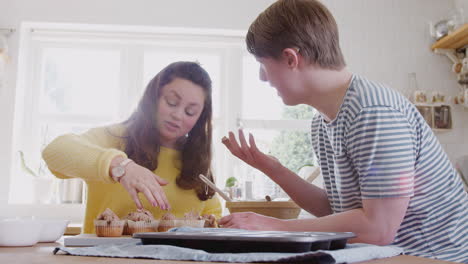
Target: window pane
155,61
80,82
26,188
218,170
292,148
271,106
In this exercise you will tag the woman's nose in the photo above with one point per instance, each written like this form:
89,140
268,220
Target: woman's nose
177,113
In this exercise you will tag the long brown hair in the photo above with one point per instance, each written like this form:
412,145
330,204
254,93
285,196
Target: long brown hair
304,24
142,136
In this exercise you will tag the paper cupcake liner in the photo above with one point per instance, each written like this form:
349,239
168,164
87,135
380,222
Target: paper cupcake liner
105,228
192,223
126,229
142,226
165,225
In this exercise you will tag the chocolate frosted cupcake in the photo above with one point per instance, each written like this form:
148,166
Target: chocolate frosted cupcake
108,224
140,221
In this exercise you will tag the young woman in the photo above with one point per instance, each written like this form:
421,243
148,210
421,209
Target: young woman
153,159
386,177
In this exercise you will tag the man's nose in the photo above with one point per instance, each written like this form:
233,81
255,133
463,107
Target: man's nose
262,75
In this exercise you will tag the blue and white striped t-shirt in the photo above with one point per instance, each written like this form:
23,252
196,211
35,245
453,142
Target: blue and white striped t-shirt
379,146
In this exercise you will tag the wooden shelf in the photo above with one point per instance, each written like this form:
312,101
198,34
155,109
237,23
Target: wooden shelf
438,117
454,40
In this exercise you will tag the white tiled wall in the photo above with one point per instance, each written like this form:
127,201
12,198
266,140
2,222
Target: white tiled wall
382,39
385,40
463,5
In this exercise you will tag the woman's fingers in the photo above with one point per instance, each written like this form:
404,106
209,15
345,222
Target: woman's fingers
160,197
134,194
148,194
160,180
141,180
160,192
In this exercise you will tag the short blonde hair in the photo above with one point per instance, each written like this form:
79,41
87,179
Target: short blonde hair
303,24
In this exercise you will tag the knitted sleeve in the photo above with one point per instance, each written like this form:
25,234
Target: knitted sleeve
86,156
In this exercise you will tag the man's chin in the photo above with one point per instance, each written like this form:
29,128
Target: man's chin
289,102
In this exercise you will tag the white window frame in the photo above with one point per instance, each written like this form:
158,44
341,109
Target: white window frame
229,42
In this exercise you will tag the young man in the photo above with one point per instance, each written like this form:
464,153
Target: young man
386,177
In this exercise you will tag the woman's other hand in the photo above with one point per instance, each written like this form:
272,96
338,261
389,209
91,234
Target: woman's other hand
139,179
250,221
250,154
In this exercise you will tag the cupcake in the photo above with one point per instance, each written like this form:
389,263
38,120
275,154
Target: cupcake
210,221
193,219
140,221
167,222
108,224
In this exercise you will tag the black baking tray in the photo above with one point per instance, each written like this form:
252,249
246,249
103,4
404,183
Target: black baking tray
237,241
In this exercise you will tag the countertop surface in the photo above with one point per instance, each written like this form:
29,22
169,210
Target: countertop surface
42,253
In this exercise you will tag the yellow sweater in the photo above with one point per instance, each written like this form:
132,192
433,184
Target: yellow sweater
88,156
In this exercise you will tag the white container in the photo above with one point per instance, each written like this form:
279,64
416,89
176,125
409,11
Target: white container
52,229
19,232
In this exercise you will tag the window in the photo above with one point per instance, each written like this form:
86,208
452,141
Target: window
279,130
81,77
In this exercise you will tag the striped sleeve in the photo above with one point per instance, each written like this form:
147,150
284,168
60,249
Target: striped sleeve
382,147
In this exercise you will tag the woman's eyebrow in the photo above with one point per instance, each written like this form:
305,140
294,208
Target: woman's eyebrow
194,105
176,94
180,98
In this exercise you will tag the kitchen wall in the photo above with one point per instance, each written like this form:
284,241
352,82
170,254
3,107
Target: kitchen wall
383,40
463,4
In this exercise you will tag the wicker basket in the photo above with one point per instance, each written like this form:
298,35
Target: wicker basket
278,209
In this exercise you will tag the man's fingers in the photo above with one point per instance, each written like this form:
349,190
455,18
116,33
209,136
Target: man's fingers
225,220
225,141
242,139
252,143
235,149
244,146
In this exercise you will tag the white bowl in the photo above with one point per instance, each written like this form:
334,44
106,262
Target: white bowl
19,232
52,229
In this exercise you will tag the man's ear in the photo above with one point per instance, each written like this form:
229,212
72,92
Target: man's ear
291,56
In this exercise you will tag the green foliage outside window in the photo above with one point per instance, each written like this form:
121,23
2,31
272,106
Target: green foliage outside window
293,148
